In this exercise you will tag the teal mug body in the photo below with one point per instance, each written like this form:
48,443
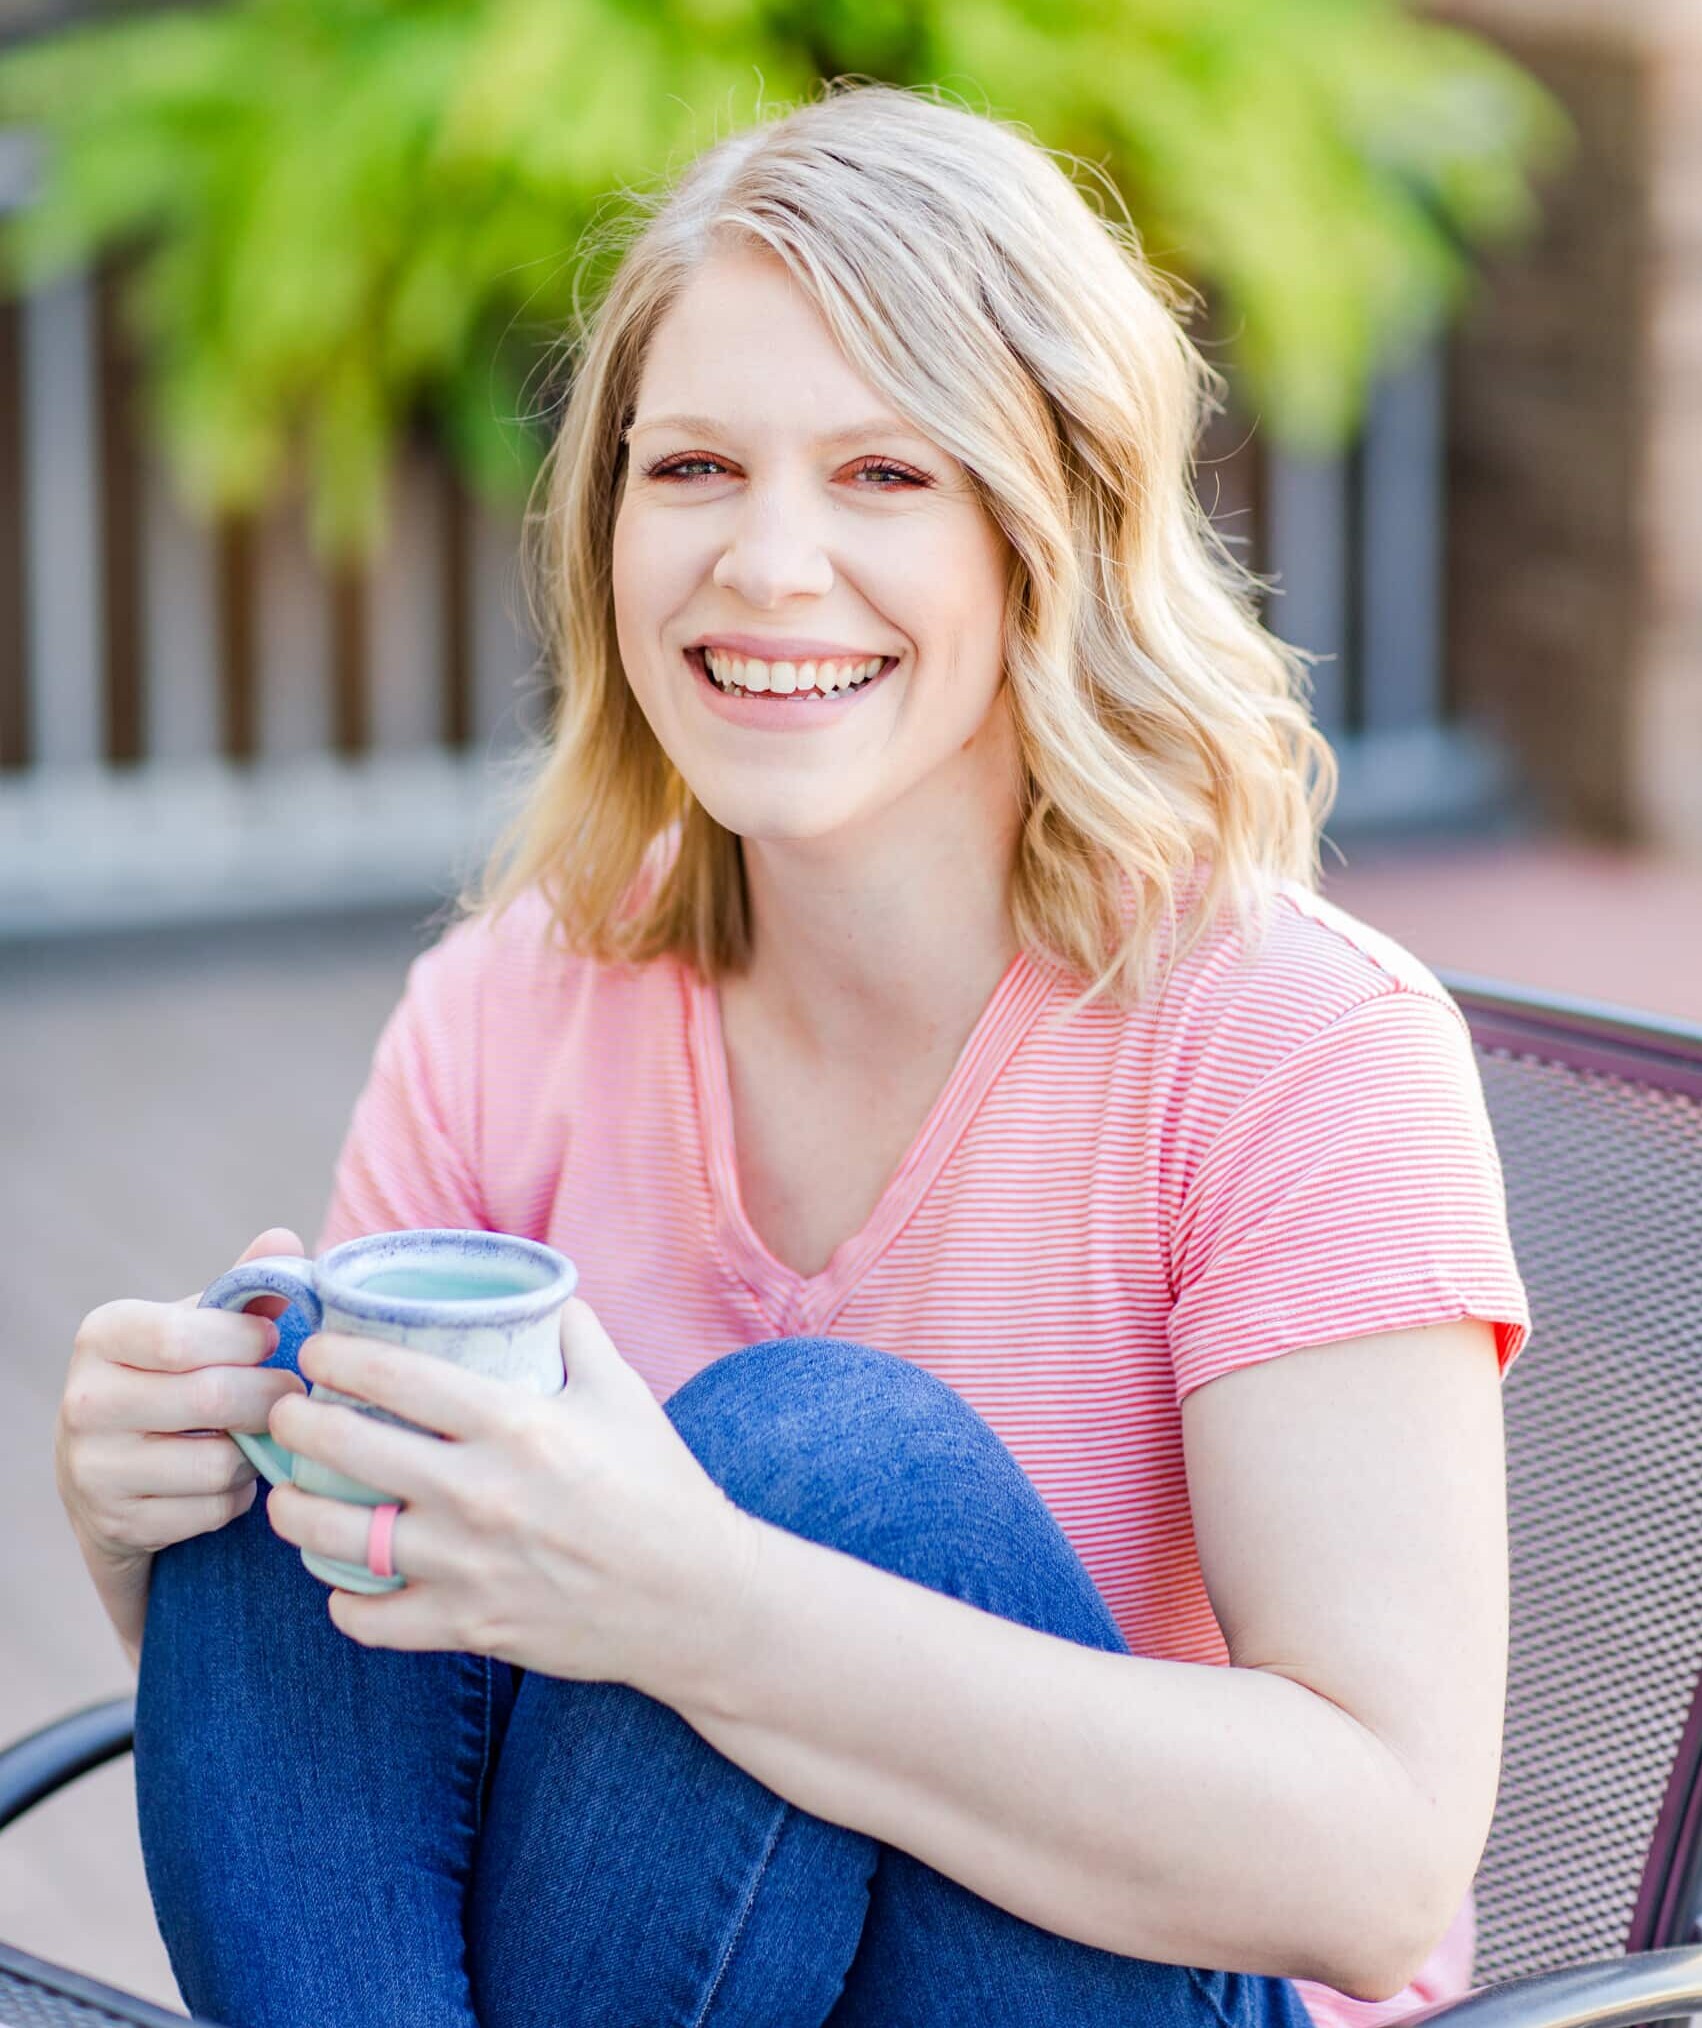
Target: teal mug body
487,1301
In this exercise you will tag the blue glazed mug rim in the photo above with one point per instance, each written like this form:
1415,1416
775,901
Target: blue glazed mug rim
334,1273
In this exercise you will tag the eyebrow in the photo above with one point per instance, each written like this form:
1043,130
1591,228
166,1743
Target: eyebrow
874,426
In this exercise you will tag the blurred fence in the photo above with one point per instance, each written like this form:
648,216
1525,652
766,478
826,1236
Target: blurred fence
201,722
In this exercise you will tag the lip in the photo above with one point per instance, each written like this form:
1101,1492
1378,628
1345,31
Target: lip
790,714
784,648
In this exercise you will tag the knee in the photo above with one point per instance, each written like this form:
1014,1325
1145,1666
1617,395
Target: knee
818,1398
837,1441
864,1452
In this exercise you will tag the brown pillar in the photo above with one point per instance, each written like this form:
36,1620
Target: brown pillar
1574,621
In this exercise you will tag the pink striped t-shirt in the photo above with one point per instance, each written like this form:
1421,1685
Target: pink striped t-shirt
1282,1149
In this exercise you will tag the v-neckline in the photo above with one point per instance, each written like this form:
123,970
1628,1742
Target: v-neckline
799,1304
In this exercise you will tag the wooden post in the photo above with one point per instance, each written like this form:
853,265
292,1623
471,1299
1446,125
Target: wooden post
15,728
1575,435
351,702
455,609
238,690
120,523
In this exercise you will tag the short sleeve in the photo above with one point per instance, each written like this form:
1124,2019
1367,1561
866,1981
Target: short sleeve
409,1157
1355,1189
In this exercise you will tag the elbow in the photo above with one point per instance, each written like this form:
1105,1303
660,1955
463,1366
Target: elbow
1392,1948
1401,1893
1382,1974
1376,1982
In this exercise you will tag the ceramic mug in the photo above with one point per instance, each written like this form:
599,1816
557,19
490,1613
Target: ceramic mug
487,1301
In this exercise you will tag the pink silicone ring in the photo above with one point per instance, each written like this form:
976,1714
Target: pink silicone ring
378,1533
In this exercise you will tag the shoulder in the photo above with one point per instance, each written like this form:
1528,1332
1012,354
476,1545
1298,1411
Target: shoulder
1305,983
1328,1162
1302,965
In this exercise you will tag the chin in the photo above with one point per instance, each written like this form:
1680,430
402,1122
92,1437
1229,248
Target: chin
791,819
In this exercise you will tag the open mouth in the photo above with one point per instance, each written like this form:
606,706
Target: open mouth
802,694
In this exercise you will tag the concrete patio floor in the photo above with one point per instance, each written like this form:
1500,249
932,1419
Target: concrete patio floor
166,1097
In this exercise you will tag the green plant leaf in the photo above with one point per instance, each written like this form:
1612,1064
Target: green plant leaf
337,216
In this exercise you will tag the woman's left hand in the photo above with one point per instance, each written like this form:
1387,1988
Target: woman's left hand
572,1533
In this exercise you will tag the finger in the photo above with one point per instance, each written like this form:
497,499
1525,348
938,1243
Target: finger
157,1523
192,1466
340,1528
211,1398
400,1462
426,1390
166,1338
152,1468
413,1618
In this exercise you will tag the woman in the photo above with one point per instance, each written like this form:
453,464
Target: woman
905,996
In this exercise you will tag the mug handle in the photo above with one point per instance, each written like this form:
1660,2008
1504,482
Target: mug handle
273,1274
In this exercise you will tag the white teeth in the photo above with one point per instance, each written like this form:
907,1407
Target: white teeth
787,678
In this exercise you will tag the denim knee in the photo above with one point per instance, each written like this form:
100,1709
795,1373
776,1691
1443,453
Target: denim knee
816,1430
865,1452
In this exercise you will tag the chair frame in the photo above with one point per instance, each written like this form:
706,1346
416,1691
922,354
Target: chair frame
1659,1979
78,1997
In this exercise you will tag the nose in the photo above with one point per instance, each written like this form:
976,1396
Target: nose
774,552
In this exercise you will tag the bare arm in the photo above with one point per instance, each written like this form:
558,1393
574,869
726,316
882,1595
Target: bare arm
1314,1811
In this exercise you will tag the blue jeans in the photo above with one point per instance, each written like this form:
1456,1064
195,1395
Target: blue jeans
344,1837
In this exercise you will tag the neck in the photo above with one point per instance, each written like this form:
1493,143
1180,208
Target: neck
883,948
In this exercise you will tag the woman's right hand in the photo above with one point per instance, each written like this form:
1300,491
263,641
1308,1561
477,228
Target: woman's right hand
138,1451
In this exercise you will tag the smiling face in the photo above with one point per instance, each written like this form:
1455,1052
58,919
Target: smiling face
775,505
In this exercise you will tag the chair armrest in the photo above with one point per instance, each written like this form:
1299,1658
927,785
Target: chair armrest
1609,1993
46,1760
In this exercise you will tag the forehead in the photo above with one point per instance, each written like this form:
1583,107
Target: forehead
743,342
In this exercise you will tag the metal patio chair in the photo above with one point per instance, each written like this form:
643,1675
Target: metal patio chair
1589,1894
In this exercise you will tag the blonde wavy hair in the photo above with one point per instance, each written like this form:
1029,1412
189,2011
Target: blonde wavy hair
1163,732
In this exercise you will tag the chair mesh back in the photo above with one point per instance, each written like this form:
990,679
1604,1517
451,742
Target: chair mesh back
1604,1189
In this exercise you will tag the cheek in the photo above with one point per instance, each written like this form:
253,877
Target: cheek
959,604
950,580
654,569
966,644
